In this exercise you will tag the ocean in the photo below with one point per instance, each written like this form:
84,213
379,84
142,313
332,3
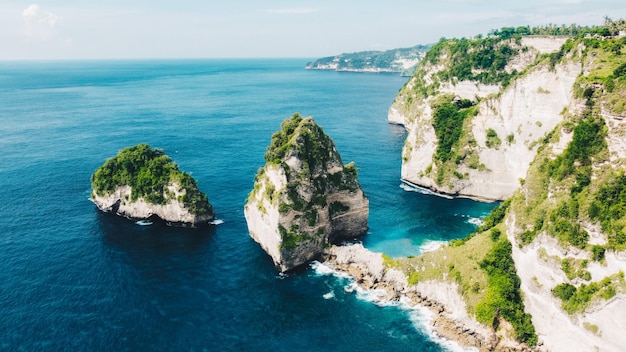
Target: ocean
74,278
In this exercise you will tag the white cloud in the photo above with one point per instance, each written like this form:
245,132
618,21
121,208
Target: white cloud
34,14
39,23
294,11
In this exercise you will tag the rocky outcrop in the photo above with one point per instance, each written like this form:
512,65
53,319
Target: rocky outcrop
142,183
450,320
304,198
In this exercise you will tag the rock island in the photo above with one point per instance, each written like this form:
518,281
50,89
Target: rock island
142,183
304,198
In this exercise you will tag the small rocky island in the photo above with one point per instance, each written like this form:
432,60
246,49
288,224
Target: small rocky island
142,183
304,198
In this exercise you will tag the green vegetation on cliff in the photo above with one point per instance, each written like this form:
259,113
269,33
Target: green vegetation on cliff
480,59
609,208
148,172
304,139
454,144
503,296
448,117
563,194
577,299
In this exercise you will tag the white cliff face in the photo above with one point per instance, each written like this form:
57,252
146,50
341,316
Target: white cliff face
527,110
173,212
395,116
544,44
616,138
555,328
521,114
470,90
263,217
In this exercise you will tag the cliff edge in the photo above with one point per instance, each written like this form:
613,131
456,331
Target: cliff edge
304,198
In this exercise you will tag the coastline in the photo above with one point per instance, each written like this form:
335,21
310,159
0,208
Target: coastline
449,315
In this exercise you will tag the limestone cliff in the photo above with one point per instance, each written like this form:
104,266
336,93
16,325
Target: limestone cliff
547,266
144,183
304,198
504,108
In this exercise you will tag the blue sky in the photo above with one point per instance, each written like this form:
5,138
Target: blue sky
78,29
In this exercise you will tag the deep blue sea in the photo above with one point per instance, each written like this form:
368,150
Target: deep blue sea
75,279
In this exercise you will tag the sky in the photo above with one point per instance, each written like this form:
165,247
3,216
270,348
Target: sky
140,29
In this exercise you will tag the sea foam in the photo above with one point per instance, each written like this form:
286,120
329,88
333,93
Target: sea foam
475,221
322,269
431,246
421,318
409,187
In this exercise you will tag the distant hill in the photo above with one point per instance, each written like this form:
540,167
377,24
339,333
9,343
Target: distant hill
402,60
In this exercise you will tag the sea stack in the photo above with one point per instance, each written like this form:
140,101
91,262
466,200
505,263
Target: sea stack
304,198
142,183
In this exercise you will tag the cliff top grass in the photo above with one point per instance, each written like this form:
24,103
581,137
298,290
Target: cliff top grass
484,270
148,172
455,264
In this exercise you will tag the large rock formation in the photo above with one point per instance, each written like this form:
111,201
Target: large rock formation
144,183
304,197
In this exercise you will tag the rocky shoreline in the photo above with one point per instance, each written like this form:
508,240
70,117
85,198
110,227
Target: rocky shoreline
450,317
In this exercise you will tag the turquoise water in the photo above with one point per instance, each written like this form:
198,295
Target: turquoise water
72,278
